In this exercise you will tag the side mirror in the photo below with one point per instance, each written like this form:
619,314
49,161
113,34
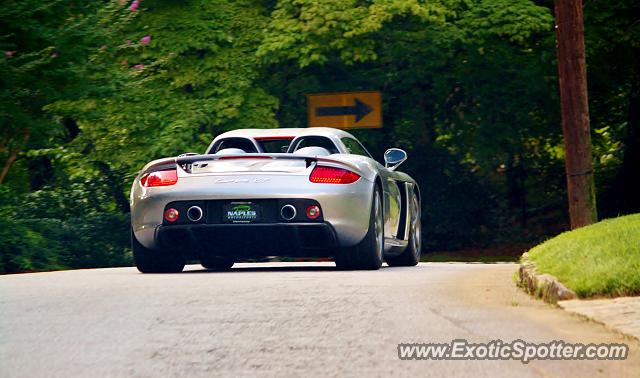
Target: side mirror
393,157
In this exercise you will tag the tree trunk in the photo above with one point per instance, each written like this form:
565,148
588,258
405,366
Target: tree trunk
115,186
13,154
575,112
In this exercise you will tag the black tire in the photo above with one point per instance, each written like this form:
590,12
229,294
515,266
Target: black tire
217,263
151,261
367,255
411,255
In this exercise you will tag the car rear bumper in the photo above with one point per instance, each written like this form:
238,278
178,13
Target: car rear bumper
249,240
346,208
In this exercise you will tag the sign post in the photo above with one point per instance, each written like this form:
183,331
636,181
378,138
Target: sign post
346,110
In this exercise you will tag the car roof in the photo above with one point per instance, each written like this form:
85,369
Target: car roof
283,132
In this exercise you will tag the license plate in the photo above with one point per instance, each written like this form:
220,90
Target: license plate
240,212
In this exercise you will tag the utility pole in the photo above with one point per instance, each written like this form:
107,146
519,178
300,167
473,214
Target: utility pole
575,112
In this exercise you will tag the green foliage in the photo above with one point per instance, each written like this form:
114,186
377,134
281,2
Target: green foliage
311,32
55,229
195,77
22,249
452,76
91,91
42,43
511,20
613,54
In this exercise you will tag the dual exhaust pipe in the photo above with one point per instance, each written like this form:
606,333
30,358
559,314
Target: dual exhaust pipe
194,213
287,212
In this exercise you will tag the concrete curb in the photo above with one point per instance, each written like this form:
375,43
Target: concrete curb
543,286
618,314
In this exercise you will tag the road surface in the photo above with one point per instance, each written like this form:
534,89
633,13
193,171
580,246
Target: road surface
277,319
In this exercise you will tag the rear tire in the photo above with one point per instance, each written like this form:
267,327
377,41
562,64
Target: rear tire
151,261
366,255
217,263
411,255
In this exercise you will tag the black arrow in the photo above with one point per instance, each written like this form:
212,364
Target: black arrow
360,110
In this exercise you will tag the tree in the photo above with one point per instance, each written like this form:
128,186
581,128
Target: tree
179,74
91,91
43,43
612,37
472,79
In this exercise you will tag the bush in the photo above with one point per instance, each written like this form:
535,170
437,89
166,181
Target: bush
32,239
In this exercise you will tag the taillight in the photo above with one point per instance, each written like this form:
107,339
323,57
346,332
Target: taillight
171,215
159,178
332,175
313,212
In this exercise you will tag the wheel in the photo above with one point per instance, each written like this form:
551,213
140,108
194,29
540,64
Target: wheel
150,261
217,263
368,253
411,255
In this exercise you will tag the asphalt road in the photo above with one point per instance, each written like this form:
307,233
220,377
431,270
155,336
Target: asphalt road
302,319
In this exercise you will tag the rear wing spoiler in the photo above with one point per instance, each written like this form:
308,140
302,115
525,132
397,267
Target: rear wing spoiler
186,161
190,159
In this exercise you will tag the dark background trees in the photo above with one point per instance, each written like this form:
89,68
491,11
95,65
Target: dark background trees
90,91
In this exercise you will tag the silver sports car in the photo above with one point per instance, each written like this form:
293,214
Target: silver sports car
312,192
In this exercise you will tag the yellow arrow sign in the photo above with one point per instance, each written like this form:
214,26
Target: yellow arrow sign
346,110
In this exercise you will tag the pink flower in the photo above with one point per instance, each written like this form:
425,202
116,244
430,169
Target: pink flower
145,40
139,66
9,54
134,5
54,55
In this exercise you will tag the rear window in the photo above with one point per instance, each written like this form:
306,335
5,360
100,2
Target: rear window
242,143
316,141
355,147
274,145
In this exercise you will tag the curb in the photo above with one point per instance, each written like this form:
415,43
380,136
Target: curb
543,286
617,314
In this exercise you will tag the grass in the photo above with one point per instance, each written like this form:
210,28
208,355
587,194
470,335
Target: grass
598,260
